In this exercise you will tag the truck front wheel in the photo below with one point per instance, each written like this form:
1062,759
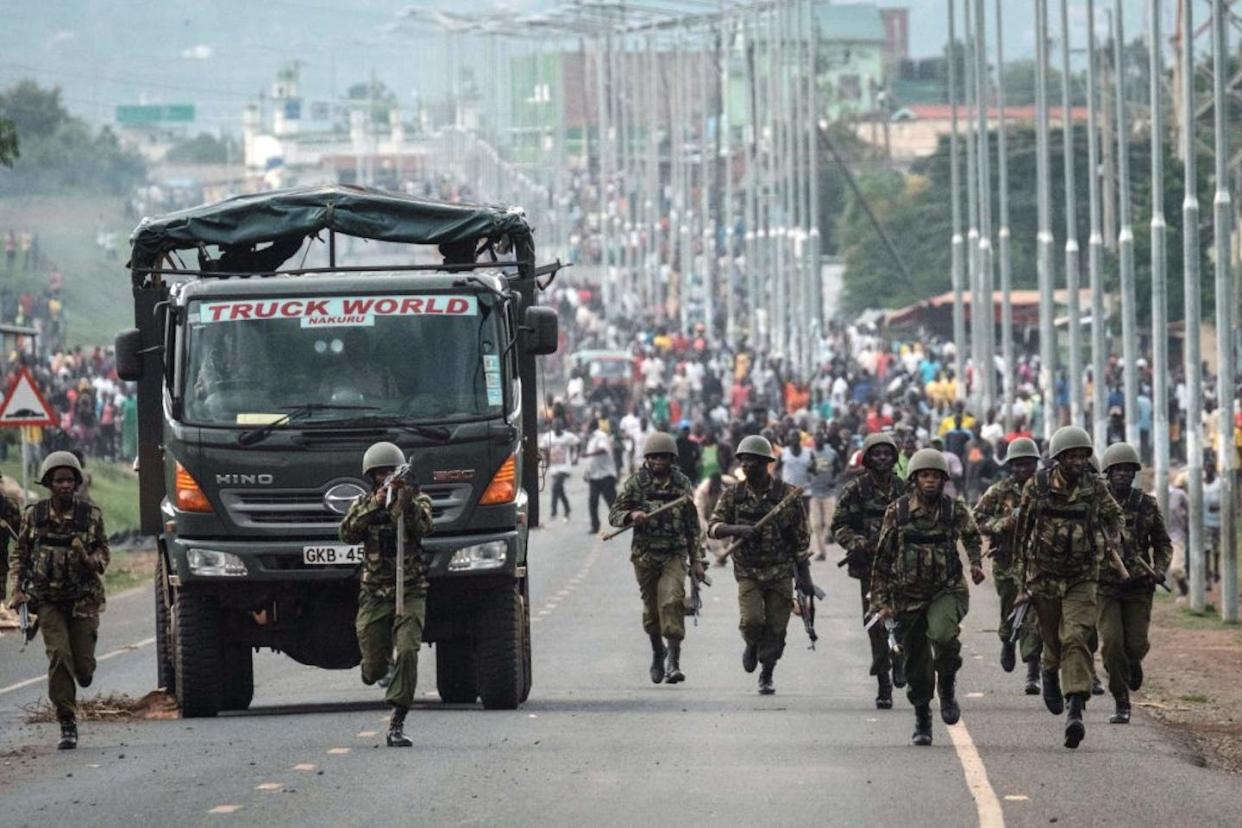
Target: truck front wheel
455,674
237,680
197,654
498,648
165,670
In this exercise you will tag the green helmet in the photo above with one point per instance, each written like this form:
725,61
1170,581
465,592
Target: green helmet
925,459
756,445
58,460
1094,462
1069,437
1020,448
382,455
1121,454
659,443
879,438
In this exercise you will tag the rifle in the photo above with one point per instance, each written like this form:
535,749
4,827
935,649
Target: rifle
1159,579
806,611
758,525
28,627
894,645
400,474
627,527
1016,619
696,600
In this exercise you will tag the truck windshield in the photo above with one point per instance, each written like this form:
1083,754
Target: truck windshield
416,357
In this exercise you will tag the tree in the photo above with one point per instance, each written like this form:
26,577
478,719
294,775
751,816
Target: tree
204,149
8,142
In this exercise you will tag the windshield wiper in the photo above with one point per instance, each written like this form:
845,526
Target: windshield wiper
296,412
438,433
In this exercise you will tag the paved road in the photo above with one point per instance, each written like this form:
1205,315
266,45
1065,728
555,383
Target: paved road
597,742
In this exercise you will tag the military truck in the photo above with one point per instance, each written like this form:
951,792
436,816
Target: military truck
262,381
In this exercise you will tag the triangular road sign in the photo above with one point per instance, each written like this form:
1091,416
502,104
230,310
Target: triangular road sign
24,405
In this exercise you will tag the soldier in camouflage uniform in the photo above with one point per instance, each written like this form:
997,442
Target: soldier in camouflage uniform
10,522
57,565
1065,519
372,522
660,549
1125,605
917,580
856,527
996,514
769,559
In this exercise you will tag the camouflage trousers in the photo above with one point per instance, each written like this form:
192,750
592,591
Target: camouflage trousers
1067,616
70,643
881,661
1123,623
765,607
929,639
662,583
380,631
1007,588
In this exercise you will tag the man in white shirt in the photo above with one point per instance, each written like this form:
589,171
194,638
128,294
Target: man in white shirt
601,472
558,447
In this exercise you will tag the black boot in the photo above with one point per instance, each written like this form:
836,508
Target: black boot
1032,676
1075,730
766,687
946,686
899,671
1097,689
1053,699
68,735
1008,657
1122,716
396,729
672,671
750,658
657,658
884,695
922,736
1136,676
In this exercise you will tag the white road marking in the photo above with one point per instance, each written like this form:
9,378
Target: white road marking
986,803
305,766
975,695
1017,798
267,786
128,648
367,734
225,809
338,751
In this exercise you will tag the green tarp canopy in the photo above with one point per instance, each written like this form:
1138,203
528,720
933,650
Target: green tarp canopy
302,211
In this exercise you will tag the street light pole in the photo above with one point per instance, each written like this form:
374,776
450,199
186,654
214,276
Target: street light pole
1159,279
957,242
1223,209
1095,249
972,209
987,309
1190,275
1003,232
1074,327
1125,240
1047,331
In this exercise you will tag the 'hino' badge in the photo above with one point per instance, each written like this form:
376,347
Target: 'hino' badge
341,496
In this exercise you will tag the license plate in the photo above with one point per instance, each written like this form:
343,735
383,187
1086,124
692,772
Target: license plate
329,554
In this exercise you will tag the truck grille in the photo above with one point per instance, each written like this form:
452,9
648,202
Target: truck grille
304,510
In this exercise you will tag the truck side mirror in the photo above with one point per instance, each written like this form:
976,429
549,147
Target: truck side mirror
129,355
541,331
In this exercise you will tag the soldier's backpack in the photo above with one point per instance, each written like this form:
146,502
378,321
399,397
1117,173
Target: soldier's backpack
944,535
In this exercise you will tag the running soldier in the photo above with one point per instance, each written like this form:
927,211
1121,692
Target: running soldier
57,566
1065,518
662,545
996,515
372,521
917,580
769,559
856,528
1125,606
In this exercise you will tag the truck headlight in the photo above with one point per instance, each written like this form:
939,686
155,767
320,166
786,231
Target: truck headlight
490,555
213,563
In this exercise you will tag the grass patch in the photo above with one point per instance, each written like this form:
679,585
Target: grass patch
114,489
1195,698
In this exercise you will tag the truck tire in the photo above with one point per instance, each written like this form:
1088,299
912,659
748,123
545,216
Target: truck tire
165,670
197,654
455,676
498,648
526,669
237,678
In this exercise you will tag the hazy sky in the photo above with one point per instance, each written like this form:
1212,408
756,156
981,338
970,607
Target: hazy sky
220,54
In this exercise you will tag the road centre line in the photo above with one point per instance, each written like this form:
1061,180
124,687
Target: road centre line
986,803
128,648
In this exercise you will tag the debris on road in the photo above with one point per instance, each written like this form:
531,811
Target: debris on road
111,707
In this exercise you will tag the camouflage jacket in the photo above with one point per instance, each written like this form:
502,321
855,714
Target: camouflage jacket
859,513
917,556
61,558
995,516
1143,534
1062,530
770,555
372,525
675,532
11,515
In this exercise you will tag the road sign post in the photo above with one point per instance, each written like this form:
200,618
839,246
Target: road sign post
24,406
